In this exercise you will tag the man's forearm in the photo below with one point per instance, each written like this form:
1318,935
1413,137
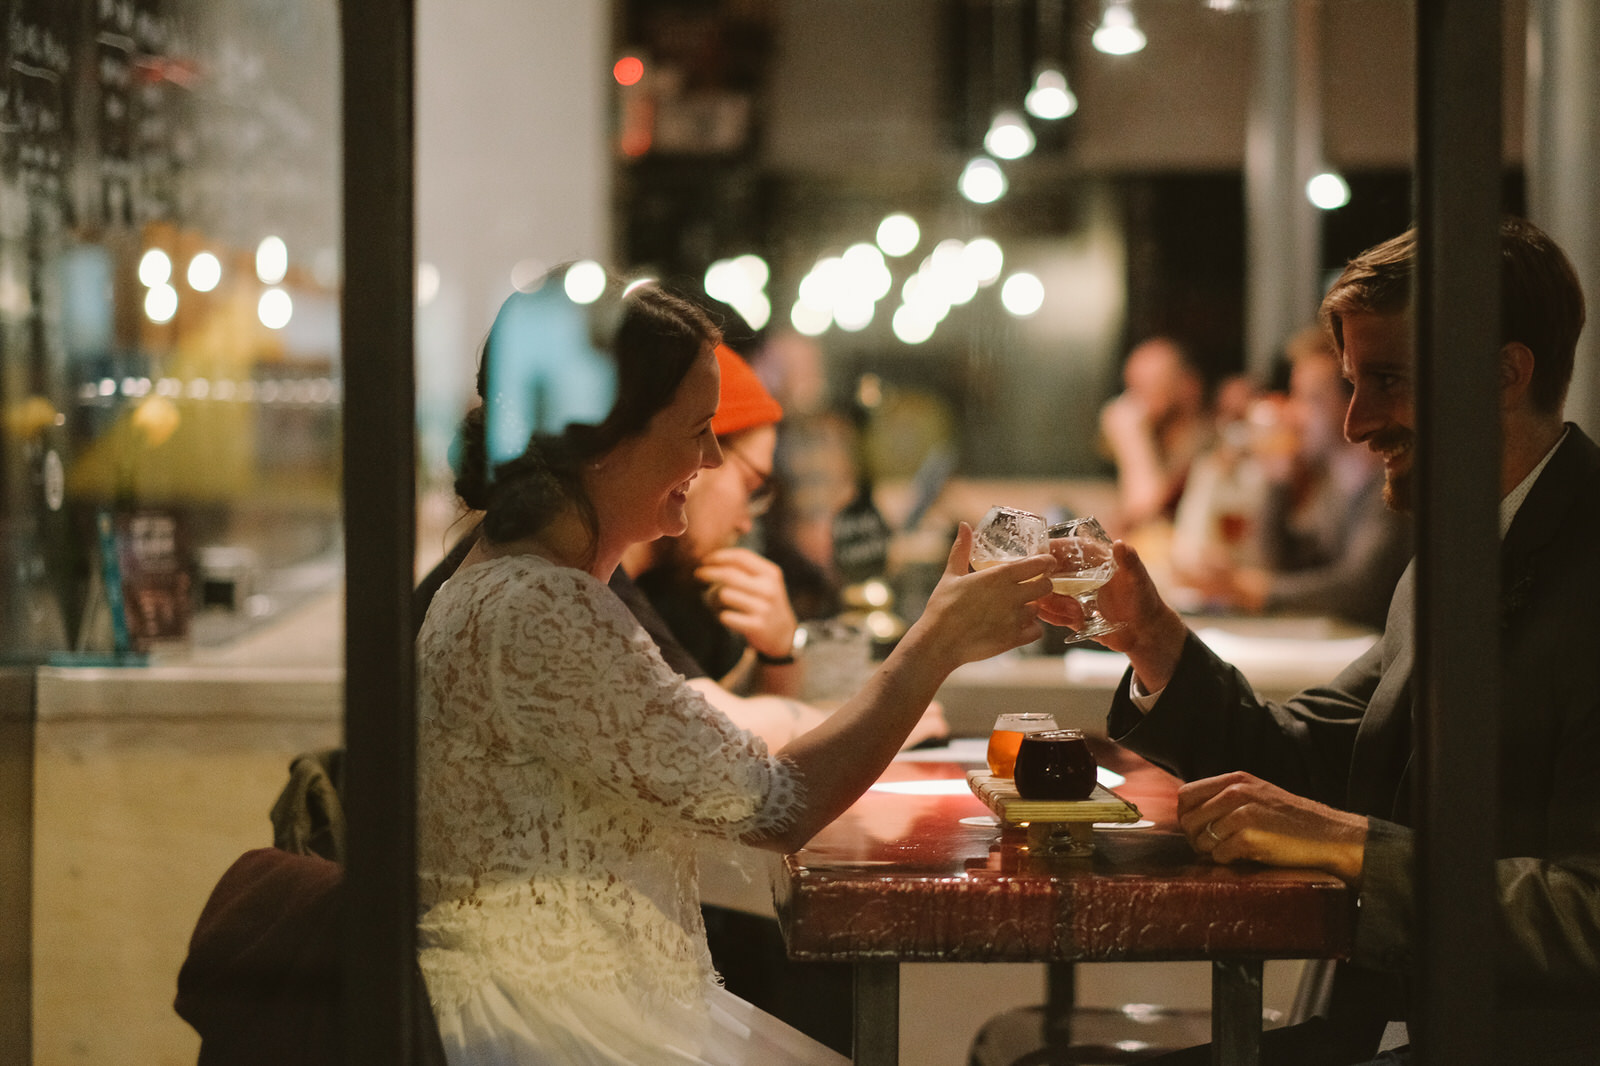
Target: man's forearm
1155,649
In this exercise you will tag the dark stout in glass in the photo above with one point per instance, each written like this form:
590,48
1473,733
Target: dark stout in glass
1055,765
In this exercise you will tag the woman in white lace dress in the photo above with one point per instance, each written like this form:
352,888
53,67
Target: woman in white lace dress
565,770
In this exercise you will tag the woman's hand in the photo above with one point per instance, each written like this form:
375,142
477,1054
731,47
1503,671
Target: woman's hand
971,616
1238,817
749,596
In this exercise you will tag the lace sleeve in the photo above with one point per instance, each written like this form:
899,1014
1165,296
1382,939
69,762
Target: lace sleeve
577,684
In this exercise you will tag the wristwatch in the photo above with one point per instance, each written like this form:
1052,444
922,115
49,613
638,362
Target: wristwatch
794,651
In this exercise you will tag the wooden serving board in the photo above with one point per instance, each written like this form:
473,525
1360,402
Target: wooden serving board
999,794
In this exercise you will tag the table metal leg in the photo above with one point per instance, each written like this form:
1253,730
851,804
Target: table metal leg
1236,1012
876,1039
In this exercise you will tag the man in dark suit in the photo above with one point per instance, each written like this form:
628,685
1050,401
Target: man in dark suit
1324,779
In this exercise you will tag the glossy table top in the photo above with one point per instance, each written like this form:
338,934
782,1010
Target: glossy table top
902,876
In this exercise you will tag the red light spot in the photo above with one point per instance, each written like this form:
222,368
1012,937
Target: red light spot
628,70
635,142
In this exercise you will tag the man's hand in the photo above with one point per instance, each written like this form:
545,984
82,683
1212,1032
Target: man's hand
749,596
1238,817
1152,633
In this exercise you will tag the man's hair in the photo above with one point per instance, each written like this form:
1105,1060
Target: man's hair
1541,302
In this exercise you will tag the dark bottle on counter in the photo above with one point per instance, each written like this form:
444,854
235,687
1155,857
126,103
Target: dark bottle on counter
860,538
861,559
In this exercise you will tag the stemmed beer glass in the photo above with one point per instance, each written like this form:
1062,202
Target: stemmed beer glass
1082,552
1007,533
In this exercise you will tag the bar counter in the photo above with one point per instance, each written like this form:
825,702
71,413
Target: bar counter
912,873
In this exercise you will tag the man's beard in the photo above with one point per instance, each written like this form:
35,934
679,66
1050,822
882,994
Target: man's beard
1397,490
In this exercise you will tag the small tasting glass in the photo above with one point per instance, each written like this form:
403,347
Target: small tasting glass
1006,739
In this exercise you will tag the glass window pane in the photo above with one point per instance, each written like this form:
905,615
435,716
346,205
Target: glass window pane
170,537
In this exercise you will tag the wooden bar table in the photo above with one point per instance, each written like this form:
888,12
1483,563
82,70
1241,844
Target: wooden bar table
915,871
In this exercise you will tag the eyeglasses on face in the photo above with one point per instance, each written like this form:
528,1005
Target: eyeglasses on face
759,499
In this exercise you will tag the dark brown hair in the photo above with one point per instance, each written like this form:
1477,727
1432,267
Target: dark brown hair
1541,301
652,338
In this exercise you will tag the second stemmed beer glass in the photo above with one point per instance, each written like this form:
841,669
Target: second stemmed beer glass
1082,552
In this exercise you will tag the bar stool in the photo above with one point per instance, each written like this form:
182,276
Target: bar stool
1061,1033
1058,1032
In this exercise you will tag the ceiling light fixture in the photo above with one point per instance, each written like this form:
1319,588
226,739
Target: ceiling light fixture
982,181
1328,190
1009,136
1050,97
1118,33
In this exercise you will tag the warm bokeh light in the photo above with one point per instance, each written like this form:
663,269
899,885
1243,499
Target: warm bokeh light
628,70
1328,191
585,281
818,287
898,234
275,308
157,418
740,283
853,312
810,320
155,268
865,272
754,268
1022,294
1118,33
946,269
1050,98
205,271
161,303
272,260
982,260
756,310
982,181
1009,136
913,324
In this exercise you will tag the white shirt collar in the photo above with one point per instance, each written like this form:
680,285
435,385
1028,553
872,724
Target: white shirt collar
1513,499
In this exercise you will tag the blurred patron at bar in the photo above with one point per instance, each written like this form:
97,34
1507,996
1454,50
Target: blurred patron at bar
1324,779
1154,429
1296,522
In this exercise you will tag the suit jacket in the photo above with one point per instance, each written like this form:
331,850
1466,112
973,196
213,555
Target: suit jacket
1348,744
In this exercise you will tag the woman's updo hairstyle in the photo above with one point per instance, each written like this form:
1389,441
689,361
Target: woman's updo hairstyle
650,338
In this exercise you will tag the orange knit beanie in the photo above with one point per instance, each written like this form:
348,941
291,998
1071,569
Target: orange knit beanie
745,402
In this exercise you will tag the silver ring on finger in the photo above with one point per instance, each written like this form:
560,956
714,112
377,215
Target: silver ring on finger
1212,833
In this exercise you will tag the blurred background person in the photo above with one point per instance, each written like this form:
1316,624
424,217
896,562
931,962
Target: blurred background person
817,472
1225,491
1154,429
1323,541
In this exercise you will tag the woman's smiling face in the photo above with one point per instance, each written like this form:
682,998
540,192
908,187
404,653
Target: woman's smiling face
640,487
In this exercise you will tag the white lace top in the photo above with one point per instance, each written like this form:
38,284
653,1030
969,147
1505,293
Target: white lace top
564,771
